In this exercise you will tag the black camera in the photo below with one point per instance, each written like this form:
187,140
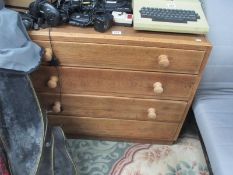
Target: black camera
81,19
28,21
41,9
103,22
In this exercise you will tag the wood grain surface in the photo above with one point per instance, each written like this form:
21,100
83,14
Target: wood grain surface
108,82
115,82
128,36
115,107
125,57
101,127
21,3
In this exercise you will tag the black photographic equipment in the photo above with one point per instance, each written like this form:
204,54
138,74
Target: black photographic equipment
28,21
103,22
80,13
115,5
46,11
66,8
81,19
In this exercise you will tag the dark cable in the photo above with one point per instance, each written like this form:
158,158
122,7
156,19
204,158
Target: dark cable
55,63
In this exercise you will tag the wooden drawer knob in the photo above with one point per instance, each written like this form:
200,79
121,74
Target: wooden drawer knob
158,88
56,107
163,61
48,55
52,83
152,113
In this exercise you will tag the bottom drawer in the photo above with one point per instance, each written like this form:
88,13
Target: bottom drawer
116,129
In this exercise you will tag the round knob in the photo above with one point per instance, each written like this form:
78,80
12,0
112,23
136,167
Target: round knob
52,83
152,113
163,61
56,107
48,55
158,88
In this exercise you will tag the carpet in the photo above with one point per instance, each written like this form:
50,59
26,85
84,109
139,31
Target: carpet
95,157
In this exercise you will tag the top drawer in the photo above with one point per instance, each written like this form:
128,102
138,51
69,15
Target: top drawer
127,57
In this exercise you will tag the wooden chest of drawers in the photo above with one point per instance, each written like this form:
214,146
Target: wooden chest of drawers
122,84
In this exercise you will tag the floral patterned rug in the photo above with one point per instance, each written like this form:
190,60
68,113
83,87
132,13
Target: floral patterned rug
120,158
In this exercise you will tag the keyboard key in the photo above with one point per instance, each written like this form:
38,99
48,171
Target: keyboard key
169,15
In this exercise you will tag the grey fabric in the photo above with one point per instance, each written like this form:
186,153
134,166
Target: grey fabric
213,105
214,116
17,51
22,127
219,70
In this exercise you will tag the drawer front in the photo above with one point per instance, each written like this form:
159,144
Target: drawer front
116,83
116,107
127,57
114,128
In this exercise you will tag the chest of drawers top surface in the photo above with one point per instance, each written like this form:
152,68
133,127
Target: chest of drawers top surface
122,36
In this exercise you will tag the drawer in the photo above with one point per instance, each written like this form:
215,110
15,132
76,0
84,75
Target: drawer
116,83
114,128
116,107
127,57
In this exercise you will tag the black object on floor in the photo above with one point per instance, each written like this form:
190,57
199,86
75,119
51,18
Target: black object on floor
46,162
63,163
23,130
